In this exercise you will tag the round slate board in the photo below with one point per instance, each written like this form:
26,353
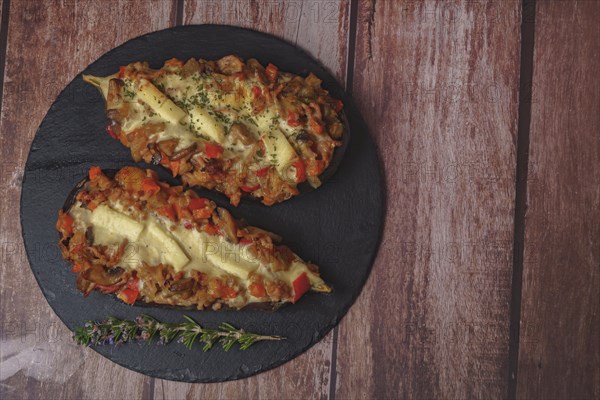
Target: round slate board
337,226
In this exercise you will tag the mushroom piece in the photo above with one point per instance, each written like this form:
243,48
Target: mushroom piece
228,226
103,276
190,67
230,64
182,285
240,132
184,153
84,285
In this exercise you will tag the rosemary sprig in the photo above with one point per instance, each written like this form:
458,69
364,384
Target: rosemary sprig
114,331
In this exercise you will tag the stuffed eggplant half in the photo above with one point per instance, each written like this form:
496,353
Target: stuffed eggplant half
227,125
143,240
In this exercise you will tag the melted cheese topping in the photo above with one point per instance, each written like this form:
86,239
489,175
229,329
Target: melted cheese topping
158,240
199,112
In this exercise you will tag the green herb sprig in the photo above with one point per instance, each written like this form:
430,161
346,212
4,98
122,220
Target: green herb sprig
114,331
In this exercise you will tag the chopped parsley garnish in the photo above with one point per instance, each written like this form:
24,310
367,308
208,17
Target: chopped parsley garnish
222,117
128,89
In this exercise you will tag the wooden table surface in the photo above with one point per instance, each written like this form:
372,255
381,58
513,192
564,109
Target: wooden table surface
486,116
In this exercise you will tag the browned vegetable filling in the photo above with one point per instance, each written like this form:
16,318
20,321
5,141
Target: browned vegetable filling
141,198
249,103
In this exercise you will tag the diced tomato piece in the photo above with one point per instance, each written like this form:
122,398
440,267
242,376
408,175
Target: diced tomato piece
245,241
211,229
256,92
263,171
201,213
200,202
128,295
121,72
110,131
293,118
316,126
271,72
133,283
178,276
249,189
188,225
173,62
301,285
228,292
300,170
65,223
76,268
257,290
109,289
338,105
168,211
150,186
94,172
213,150
174,165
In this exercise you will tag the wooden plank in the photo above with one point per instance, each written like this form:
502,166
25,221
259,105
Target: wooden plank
3,35
437,83
559,352
47,46
320,28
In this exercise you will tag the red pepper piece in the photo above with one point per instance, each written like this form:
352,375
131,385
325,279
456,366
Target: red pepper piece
150,186
257,290
109,289
256,92
338,106
300,170
128,295
196,204
213,150
168,211
301,285
110,131
65,224
293,119
94,172
249,189
263,171
271,72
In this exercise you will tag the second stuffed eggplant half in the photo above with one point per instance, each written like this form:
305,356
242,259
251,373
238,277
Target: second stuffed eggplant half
144,240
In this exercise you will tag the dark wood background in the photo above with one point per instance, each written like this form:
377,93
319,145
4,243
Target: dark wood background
486,115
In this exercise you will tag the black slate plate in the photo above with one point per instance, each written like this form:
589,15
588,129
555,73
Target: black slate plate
337,226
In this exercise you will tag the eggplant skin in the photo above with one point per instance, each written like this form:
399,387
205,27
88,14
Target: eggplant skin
100,268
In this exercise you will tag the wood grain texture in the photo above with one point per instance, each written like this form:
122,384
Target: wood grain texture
321,29
47,47
559,352
437,83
